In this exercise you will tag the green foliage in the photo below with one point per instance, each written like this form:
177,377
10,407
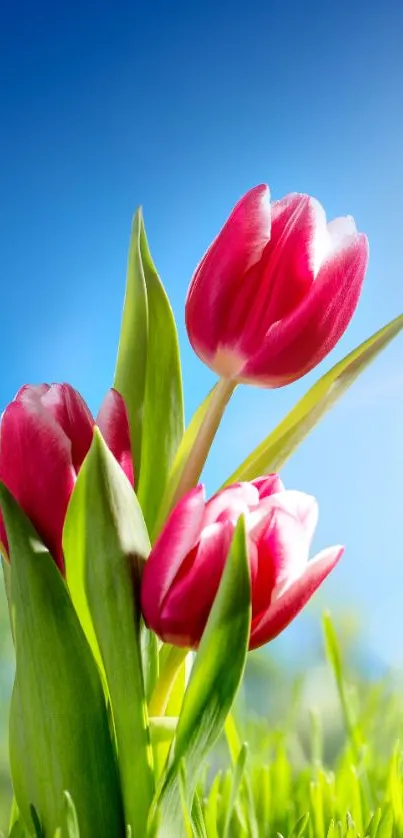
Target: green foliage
114,542
278,446
297,778
148,374
294,791
58,715
215,679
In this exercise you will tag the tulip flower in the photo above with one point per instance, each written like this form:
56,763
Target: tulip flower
276,289
45,433
182,574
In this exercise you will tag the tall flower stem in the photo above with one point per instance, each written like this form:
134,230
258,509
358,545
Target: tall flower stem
204,439
168,674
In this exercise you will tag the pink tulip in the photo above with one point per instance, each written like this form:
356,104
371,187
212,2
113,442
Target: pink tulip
45,433
183,572
276,289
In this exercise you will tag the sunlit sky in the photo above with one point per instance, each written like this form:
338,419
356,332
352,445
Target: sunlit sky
182,107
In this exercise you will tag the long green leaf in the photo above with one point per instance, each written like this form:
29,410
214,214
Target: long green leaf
163,420
273,452
131,363
148,374
213,684
59,733
109,529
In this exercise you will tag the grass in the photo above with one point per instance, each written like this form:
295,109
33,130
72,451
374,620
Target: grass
322,760
314,774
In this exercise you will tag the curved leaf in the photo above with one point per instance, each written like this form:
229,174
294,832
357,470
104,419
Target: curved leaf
130,372
163,420
148,374
58,717
273,452
212,687
109,530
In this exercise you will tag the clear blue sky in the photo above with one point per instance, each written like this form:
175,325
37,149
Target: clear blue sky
182,107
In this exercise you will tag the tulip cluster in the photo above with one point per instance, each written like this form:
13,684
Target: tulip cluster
103,521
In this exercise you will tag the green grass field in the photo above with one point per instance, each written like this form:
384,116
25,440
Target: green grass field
323,756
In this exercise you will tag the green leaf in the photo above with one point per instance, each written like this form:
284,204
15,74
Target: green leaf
148,374
385,827
131,363
372,828
182,455
334,656
300,826
59,735
273,452
199,825
110,532
238,773
184,797
163,419
39,833
18,830
235,747
213,683
73,830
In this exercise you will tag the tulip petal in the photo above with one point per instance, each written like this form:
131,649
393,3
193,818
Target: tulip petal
330,238
177,539
216,281
279,282
283,536
294,345
113,422
191,596
267,485
69,409
230,503
36,467
282,611
33,392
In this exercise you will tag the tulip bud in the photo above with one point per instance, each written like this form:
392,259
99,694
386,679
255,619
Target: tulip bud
276,289
46,432
182,574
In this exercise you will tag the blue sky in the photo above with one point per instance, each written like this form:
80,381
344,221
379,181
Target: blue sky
182,107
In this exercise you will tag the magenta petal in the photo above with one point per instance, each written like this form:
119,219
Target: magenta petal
268,485
180,535
283,545
69,409
192,594
230,503
31,392
238,247
282,611
280,281
113,422
36,467
294,345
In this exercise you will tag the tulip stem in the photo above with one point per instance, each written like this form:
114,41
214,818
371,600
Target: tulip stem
168,674
204,439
